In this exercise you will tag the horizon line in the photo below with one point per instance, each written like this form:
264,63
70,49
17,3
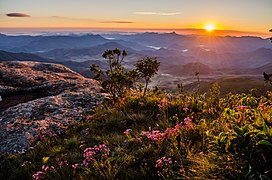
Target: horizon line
198,31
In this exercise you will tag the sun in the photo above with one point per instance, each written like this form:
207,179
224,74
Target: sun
210,27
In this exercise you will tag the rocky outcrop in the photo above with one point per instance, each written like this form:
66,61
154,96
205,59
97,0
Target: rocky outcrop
38,98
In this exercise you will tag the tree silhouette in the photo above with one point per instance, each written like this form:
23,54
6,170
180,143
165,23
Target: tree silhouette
147,67
116,81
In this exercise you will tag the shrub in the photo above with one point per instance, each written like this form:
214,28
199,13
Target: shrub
116,81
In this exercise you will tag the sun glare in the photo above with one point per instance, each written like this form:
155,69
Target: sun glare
210,27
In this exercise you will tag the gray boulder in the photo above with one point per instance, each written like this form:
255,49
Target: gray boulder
38,98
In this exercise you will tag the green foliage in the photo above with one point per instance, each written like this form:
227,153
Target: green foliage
180,88
146,68
158,136
97,72
214,96
116,80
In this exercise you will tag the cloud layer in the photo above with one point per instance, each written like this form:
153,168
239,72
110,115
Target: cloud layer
59,17
158,13
118,22
17,15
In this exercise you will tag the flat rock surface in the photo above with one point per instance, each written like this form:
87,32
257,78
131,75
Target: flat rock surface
37,98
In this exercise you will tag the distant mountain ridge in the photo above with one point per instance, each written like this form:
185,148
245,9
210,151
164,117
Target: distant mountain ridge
68,54
9,56
46,43
228,55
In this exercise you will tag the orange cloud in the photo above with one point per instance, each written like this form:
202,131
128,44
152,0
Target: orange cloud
59,17
117,22
158,13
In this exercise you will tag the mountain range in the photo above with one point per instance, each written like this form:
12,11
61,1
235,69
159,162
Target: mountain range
179,55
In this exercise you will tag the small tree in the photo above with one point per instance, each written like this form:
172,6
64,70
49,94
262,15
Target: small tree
146,68
198,80
180,88
116,81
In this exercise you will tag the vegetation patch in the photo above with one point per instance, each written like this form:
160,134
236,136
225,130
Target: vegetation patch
156,135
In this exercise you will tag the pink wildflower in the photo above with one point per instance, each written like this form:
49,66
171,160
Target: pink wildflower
163,163
52,168
89,153
74,166
89,117
140,139
38,175
127,132
240,108
154,135
169,132
164,103
45,168
63,164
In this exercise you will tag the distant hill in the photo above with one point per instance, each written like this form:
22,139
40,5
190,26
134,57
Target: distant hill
155,39
189,69
84,54
83,68
233,85
46,43
9,56
218,44
252,59
215,55
265,68
9,42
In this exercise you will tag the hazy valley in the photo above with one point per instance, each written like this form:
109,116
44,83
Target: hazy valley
214,57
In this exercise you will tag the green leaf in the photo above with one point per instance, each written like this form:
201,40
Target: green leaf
264,142
238,131
266,129
245,128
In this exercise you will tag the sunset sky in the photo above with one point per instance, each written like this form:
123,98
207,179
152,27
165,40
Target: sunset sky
238,15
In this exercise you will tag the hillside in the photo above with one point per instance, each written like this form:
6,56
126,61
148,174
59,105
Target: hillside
265,68
55,124
178,136
234,85
83,54
189,69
